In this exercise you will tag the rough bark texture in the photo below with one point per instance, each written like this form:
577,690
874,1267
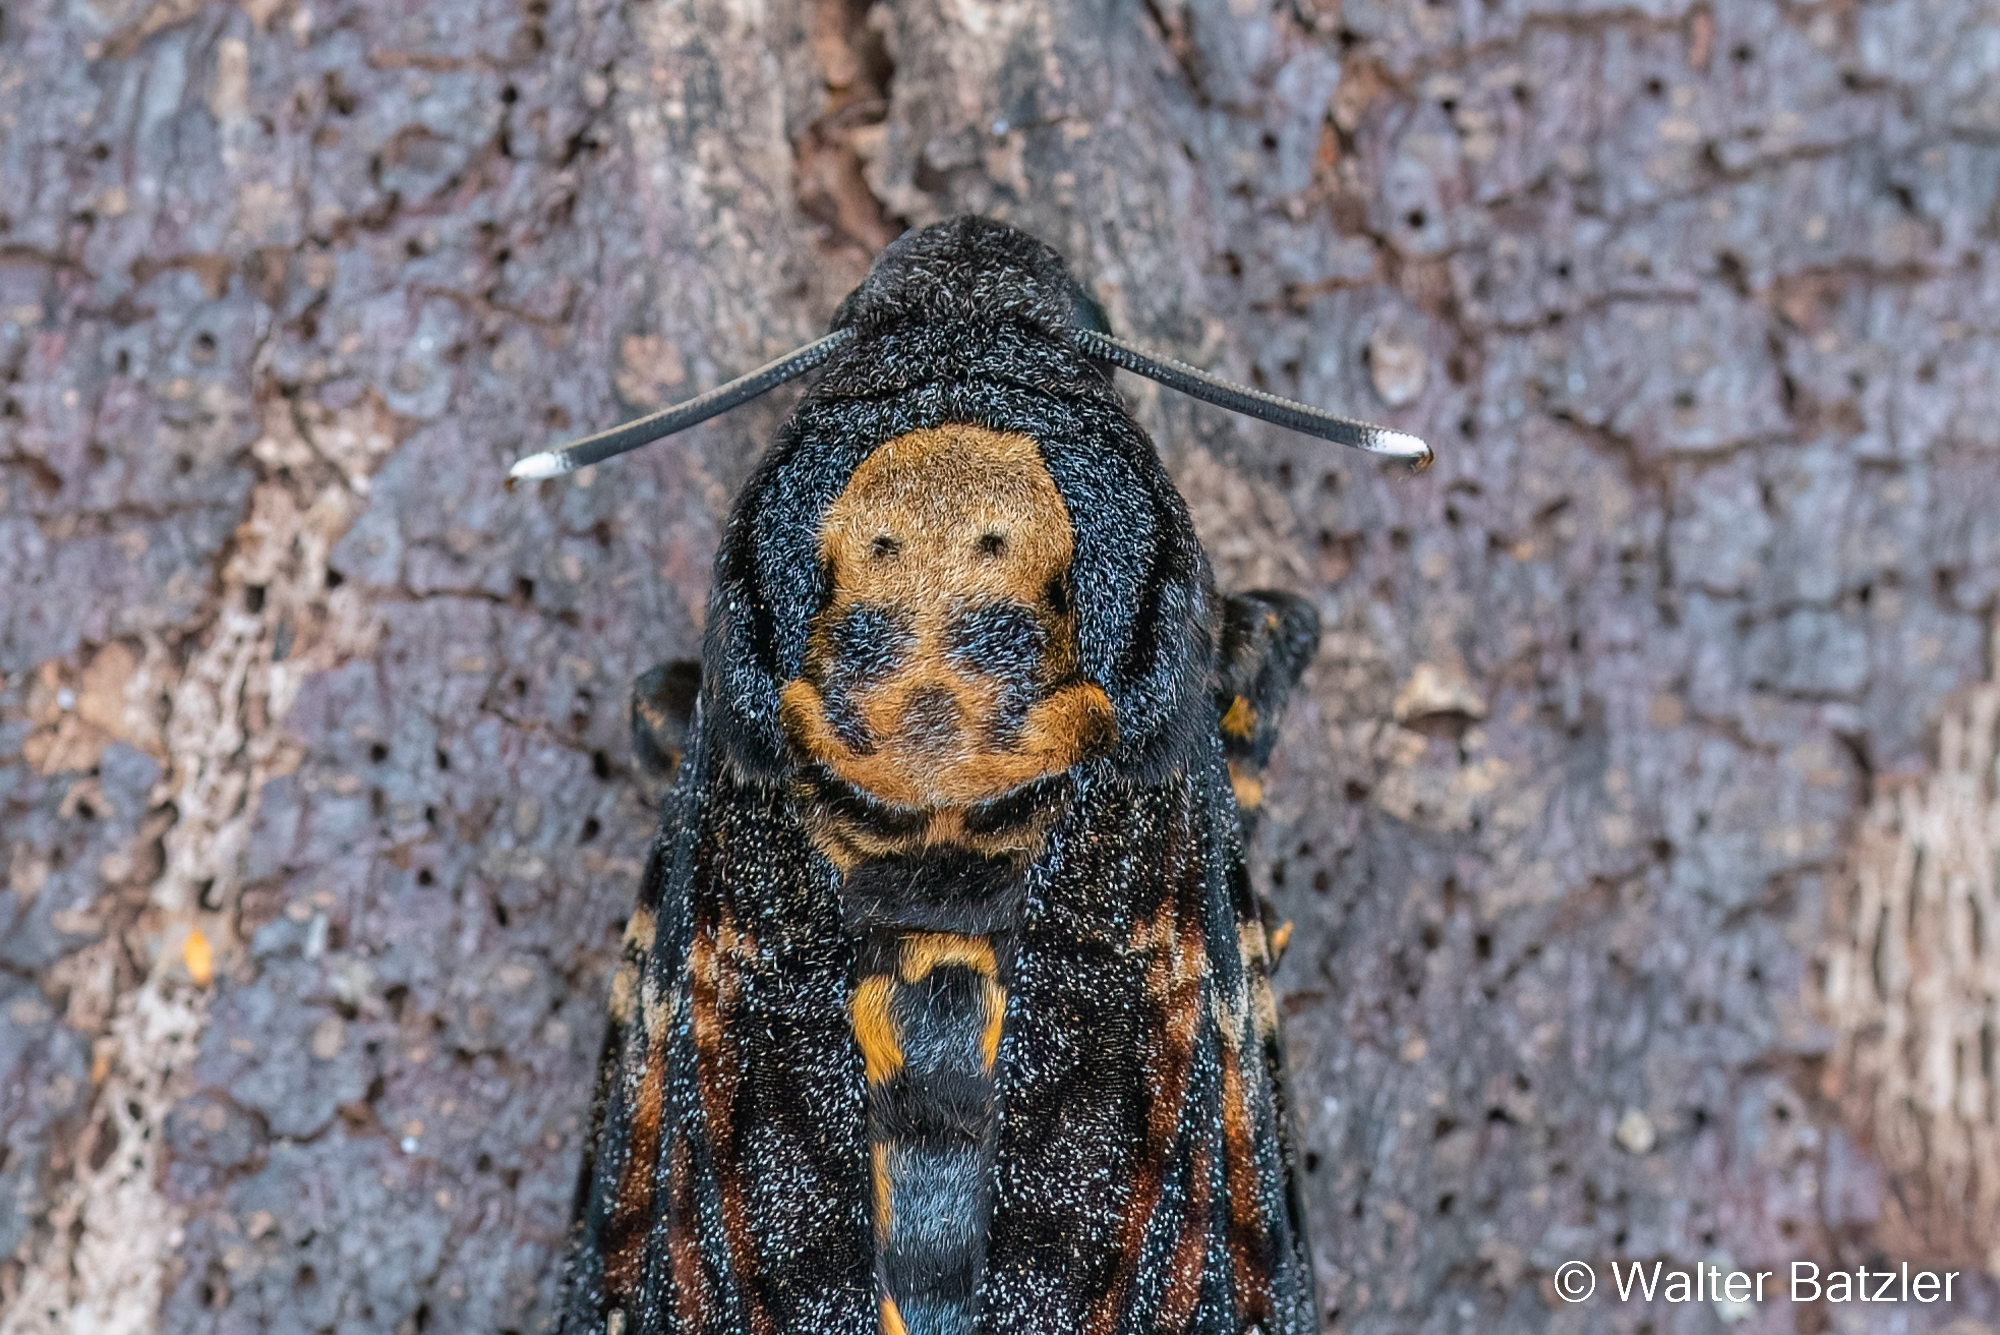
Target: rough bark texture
1696,301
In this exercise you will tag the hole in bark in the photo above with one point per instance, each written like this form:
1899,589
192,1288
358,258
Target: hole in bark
1416,219
425,877
338,99
334,579
591,829
600,765
500,914
104,1145
1312,1162
377,753
215,1287
1730,266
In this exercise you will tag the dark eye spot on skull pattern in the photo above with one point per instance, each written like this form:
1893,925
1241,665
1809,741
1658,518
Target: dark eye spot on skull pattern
865,644
1002,640
869,644
1006,643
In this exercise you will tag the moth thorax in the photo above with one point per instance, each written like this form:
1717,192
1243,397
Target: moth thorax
942,671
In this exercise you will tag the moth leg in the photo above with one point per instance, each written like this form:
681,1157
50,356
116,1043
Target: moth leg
1267,639
663,699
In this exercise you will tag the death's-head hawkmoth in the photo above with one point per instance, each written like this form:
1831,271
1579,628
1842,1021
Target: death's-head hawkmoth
946,1006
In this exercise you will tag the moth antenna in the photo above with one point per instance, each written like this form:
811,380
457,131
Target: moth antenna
1254,402
643,431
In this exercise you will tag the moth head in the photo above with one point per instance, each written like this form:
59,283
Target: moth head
961,567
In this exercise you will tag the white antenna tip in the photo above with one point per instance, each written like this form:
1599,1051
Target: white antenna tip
1403,445
534,468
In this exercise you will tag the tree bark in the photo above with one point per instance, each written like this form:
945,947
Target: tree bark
320,825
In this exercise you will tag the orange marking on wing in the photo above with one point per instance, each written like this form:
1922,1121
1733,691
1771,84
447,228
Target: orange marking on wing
1243,1182
631,1214
892,1318
1281,936
1241,720
1176,973
624,992
875,1030
640,930
1249,789
712,970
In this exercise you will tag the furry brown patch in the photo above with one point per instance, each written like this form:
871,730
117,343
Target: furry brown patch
942,671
